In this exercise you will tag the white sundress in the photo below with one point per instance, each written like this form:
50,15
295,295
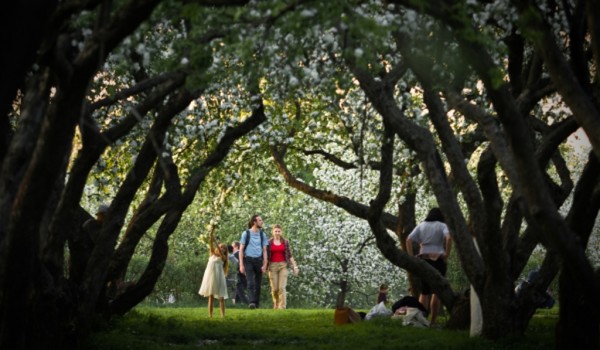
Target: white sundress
213,281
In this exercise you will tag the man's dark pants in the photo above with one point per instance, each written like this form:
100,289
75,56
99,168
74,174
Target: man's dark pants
254,277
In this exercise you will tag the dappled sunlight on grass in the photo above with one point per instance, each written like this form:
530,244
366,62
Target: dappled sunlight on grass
190,328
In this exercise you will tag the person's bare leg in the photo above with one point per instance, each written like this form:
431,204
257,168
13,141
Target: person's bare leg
211,299
222,306
424,300
435,307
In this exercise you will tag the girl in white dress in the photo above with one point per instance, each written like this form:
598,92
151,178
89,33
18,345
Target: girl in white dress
213,283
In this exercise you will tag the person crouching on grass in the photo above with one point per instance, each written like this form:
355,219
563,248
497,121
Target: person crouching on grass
213,282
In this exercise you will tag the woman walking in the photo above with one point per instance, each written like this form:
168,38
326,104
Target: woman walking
280,257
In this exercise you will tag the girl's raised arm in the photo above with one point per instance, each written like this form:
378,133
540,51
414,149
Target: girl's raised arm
211,241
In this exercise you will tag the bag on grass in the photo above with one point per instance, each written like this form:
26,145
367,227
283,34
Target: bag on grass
343,315
378,311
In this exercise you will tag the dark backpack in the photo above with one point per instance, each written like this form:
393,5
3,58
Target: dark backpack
262,233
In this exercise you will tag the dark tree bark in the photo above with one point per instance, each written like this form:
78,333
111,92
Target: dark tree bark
41,189
523,159
29,18
579,316
41,306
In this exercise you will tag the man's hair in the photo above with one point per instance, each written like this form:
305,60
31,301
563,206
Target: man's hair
235,244
252,220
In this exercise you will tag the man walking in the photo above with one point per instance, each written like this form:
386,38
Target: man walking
253,258
241,284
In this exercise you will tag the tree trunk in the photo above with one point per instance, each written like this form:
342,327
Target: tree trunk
340,300
497,308
579,316
577,326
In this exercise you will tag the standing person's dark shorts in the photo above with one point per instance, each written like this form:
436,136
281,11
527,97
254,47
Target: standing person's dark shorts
441,266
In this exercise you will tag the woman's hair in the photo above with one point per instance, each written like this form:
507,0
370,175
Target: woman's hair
275,227
435,214
252,220
383,286
221,252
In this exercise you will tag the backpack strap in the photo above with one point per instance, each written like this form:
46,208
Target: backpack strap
262,241
247,240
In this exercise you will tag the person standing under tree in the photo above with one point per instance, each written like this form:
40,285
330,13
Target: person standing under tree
241,283
233,266
253,258
280,257
213,282
435,243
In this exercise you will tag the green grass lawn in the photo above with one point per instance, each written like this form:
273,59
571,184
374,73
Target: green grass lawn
190,328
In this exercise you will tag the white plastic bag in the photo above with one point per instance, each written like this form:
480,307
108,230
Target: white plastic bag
378,310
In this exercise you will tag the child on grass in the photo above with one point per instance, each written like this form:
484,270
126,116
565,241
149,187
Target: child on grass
213,282
382,296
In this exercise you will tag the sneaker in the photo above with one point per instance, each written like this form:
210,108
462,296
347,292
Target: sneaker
252,306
